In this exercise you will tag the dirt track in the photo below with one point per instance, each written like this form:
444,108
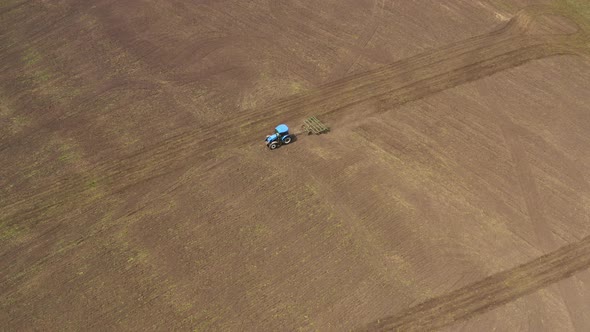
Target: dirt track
491,292
401,82
121,208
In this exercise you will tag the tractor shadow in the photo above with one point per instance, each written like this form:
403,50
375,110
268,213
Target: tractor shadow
294,138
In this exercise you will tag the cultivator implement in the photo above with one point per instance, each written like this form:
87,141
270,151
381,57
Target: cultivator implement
314,126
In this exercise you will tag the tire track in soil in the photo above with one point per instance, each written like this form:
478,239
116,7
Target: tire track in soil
189,137
543,234
490,292
93,232
403,81
7,9
285,15
365,37
528,186
534,207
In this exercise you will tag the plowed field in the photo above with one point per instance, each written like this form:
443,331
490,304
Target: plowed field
452,192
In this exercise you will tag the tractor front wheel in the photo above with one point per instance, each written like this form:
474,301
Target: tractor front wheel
273,145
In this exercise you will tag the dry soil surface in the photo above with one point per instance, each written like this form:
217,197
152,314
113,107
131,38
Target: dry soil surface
453,191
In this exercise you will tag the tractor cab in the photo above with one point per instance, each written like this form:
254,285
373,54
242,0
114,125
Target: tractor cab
282,130
280,137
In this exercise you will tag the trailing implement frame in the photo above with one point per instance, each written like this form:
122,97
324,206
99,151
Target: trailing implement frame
314,126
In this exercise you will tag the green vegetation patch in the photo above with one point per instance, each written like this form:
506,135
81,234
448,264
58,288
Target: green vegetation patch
31,57
582,7
17,123
9,121
8,232
68,151
577,10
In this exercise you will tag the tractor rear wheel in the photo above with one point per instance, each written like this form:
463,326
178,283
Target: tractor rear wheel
287,140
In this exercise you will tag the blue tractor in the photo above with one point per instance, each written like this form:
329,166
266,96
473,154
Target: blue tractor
280,137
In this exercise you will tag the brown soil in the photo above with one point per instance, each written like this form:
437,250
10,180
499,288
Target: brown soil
136,192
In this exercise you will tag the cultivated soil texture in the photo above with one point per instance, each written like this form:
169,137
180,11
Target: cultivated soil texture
452,192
